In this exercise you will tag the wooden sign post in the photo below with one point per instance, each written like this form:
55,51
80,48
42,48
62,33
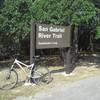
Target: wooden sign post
45,36
32,42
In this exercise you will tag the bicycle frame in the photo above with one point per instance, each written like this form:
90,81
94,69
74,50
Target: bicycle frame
19,63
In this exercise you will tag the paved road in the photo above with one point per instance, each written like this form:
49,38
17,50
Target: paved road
87,89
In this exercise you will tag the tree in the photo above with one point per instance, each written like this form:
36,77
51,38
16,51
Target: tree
63,11
15,20
15,17
97,3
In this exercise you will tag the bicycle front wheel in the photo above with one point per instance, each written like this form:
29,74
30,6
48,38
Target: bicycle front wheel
41,75
8,79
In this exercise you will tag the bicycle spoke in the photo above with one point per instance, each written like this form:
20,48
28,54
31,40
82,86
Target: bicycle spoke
41,75
8,79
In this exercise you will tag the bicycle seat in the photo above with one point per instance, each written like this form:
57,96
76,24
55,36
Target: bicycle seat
36,57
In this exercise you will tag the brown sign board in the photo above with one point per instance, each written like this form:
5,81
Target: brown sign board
52,36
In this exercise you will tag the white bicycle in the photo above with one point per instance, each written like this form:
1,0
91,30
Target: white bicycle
37,74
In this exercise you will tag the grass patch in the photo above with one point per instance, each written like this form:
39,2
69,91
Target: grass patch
80,72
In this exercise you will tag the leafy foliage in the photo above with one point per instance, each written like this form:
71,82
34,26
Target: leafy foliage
98,32
63,11
16,16
97,3
14,23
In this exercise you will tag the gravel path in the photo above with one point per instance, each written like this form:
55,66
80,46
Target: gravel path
86,89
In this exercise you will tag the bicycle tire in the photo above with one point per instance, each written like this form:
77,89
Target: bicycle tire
41,75
8,79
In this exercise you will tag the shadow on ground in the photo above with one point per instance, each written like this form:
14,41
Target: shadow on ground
90,60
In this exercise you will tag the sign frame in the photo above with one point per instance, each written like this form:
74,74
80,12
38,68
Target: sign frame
57,30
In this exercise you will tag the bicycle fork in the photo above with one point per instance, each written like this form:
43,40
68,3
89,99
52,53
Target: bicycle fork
31,70
29,76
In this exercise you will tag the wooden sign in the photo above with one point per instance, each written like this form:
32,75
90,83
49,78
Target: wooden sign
52,36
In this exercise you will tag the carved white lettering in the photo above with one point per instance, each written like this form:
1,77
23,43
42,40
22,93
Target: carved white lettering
57,36
42,35
52,29
44,29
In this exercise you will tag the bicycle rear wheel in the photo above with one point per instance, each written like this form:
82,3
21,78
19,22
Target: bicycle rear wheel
41,75
8,79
